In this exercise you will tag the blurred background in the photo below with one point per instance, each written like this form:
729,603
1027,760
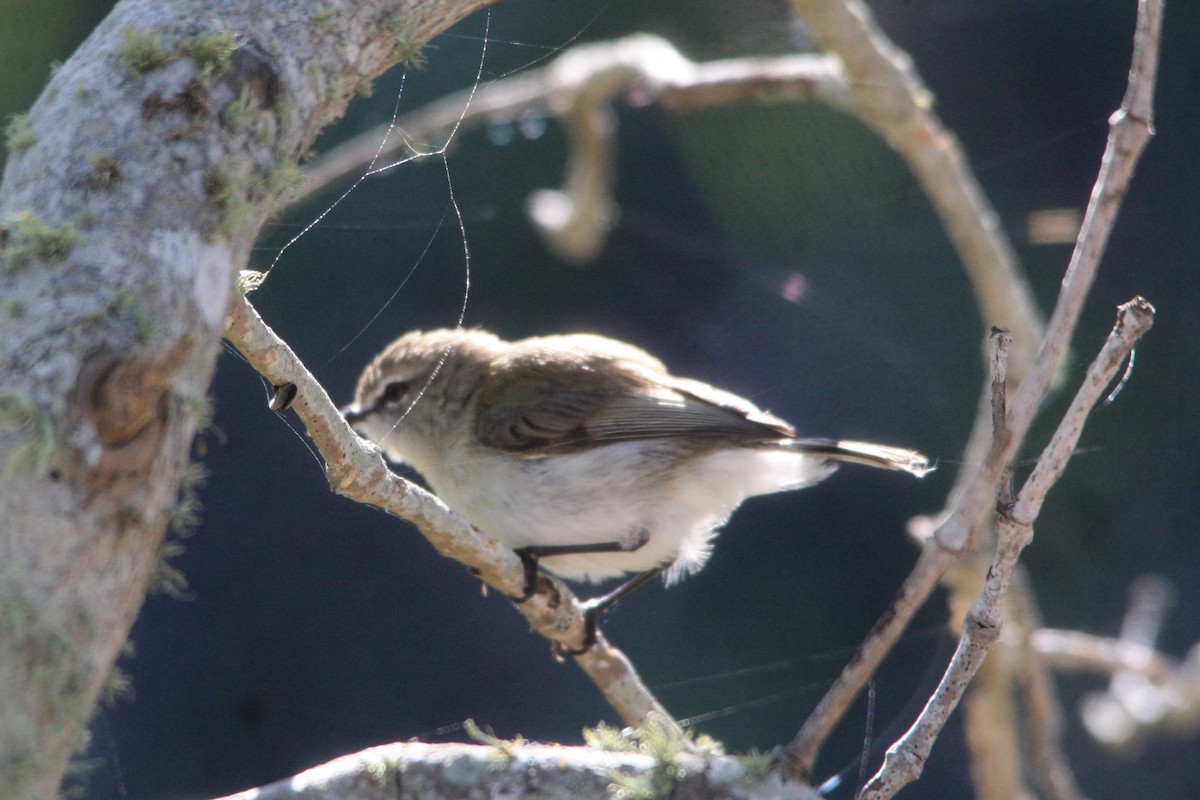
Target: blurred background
781,252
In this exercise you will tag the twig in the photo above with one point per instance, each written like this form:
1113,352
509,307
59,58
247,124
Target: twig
640,60
933,562
1150,600
990,718
356,470
579,86
906,758
999,344
1073,651
1043,716
992,732
888,95
1147,690
1130,130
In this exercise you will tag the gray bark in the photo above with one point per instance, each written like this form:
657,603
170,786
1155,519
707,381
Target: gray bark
150,162
515,770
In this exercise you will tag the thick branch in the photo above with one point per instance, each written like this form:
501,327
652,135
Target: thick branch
522,769
147,168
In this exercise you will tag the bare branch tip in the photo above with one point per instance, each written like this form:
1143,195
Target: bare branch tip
999,342
1137,311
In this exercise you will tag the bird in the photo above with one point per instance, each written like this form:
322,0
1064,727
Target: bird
583,453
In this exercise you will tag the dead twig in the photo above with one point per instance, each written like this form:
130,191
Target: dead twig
579,87
1130,129
1147,690
1043,718
906,758
887,94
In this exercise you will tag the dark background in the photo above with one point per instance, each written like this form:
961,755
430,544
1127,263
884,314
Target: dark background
314,627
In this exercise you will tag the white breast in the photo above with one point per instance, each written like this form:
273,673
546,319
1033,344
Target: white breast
620,492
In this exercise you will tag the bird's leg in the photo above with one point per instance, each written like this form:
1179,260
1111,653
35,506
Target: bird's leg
596,607
593,609
531,555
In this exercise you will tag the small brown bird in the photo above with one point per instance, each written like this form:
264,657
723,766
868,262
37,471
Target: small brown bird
584,452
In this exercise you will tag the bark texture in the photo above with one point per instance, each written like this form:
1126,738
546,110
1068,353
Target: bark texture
126,209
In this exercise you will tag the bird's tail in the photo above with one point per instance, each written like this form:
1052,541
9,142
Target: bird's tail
873,455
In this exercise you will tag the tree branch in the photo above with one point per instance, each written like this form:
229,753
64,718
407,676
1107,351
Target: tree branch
1130,130
1043,718
356,470
1147,690
906,758
146,170
579,86
523,769
887,94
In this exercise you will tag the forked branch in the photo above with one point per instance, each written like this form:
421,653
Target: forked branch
1130,129
906,758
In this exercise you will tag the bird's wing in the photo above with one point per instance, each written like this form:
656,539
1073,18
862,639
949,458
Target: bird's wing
548,401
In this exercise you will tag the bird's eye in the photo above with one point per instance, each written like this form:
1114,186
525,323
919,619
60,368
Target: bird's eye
394,392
